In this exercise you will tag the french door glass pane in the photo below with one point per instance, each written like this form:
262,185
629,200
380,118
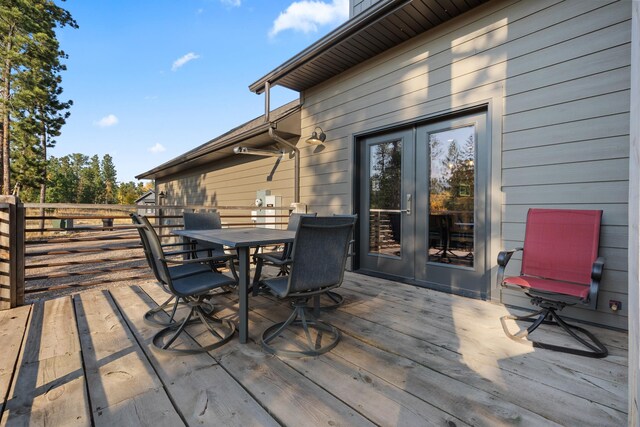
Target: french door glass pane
451,196
385,167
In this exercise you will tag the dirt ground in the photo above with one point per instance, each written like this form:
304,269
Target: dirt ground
110,263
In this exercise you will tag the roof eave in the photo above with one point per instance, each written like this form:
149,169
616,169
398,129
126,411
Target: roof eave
204,151
341,33
213,145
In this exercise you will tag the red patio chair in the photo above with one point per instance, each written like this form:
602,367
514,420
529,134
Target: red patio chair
560,267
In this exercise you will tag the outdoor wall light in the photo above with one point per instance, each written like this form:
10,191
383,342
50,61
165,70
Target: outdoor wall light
315,138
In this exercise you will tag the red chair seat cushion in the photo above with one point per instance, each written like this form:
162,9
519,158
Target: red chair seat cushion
547,285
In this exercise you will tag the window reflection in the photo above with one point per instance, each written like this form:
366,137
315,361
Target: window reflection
385,174
451,196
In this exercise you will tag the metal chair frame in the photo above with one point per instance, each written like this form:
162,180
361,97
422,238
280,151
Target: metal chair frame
306,281
155,316
194,291
209,221
551,303
280,259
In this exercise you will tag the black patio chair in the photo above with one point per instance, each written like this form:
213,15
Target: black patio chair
195,290
154,315
319,257
332,299
280,258
560,267
208,221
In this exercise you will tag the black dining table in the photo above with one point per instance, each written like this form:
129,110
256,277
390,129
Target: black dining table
241,239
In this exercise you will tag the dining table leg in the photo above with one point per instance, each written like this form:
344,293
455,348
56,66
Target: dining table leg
243,286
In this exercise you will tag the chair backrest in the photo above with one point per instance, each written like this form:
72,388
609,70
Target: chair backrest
294,220
156,253
137,221
320,252
561,244
355,220
203,221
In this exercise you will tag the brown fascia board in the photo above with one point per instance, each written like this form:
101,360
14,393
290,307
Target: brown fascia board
343,32
220,142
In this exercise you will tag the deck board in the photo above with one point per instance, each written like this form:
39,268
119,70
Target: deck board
463,387
290,397
48,387
123,386
513,379
202,391
13,324
409,356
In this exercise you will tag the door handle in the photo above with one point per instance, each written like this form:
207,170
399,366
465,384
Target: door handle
408,205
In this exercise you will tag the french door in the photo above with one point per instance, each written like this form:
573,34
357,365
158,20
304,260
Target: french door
423,204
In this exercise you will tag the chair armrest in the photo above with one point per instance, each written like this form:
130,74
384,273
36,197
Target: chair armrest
273,258
190,251
596,270
596,275
505,256
195,260
167,245
503,260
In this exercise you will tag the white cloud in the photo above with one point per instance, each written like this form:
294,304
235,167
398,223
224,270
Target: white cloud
106,121
232,3
183,60
306,16
158,148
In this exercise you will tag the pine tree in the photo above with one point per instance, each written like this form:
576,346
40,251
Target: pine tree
30,78
108,174
64,180
90,189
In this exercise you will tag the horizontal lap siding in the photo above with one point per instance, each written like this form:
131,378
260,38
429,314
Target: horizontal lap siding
566,145
556,73
231,185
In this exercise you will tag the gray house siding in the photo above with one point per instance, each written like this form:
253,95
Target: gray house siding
231,182
555,79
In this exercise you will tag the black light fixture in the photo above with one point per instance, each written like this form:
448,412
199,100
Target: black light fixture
315,138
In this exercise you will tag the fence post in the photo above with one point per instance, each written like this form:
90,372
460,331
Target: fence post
11,252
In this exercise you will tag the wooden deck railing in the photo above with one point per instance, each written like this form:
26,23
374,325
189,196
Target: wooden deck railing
11,252
50,247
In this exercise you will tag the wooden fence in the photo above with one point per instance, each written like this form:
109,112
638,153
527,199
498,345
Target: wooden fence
52,247
11,252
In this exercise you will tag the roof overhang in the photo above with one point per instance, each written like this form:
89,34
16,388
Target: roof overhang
254,134
383,26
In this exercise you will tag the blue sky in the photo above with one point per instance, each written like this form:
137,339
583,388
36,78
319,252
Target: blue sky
151,79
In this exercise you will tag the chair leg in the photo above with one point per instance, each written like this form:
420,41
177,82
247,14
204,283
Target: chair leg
225,326
549,316
151,316
302,317
155,316
284,270
256,277
332,301
336,299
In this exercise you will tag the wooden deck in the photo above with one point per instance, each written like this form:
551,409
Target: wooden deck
408,357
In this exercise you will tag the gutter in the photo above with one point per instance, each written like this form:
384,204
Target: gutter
296,170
